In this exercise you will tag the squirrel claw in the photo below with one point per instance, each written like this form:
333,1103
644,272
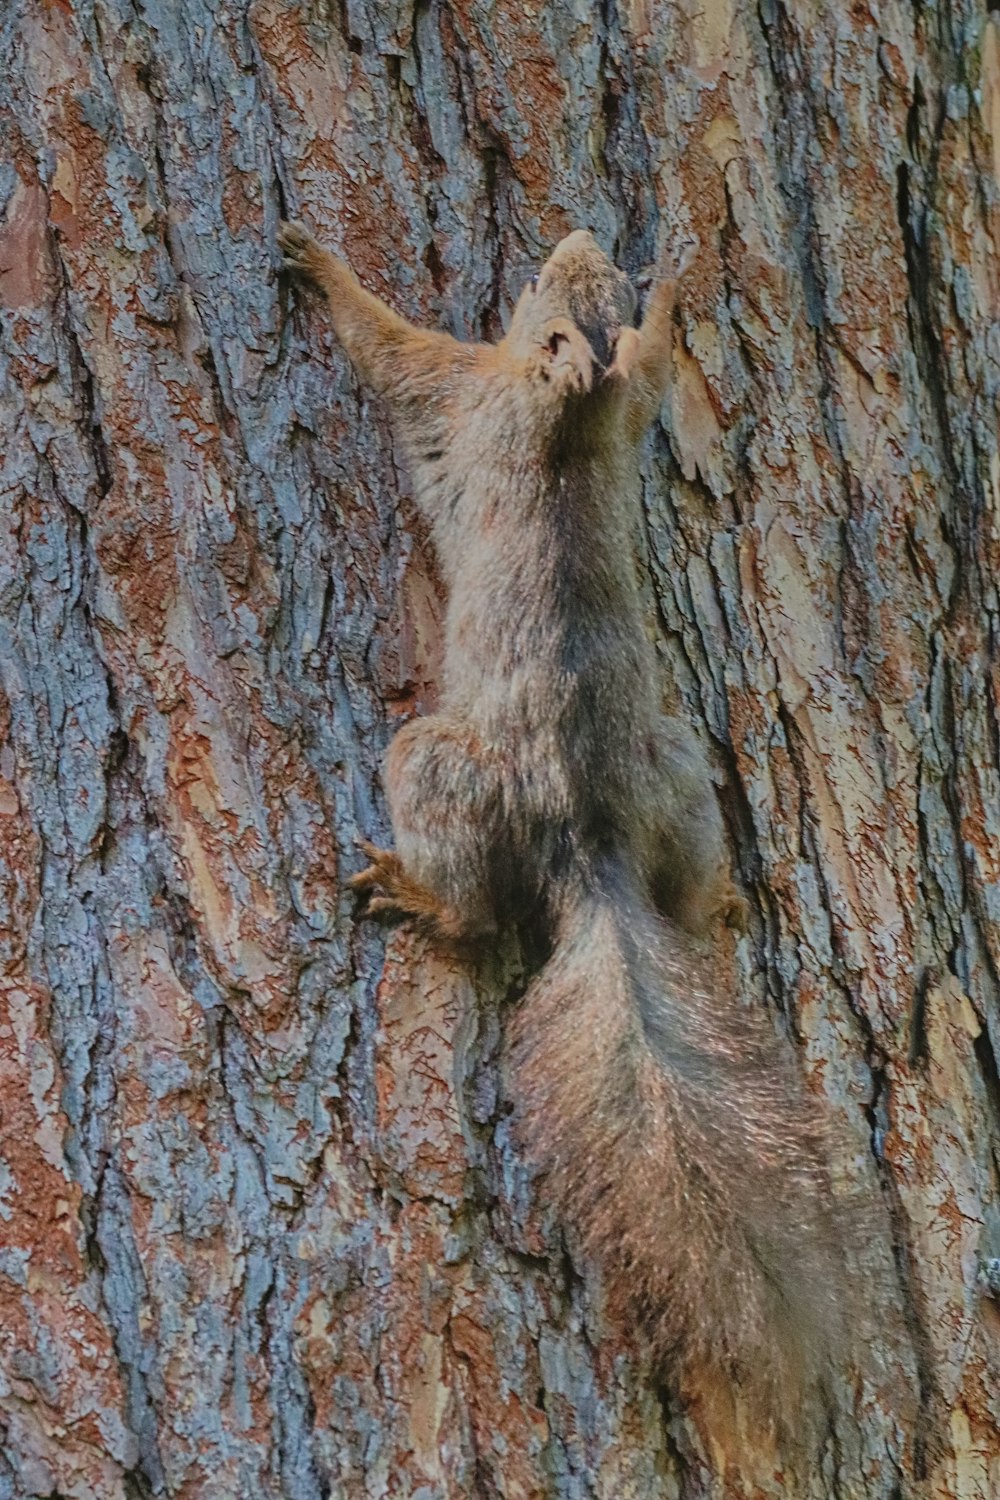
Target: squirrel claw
383,871
363,882
384,906
374,853
386,890
298,247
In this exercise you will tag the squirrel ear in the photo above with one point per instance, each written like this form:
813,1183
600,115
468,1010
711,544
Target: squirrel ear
565,357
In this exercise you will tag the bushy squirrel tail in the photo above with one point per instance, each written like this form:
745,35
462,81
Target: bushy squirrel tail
680,1149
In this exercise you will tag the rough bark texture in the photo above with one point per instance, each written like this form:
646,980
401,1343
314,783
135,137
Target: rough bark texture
263,1230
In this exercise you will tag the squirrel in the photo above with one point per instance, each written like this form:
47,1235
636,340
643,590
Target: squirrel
551,792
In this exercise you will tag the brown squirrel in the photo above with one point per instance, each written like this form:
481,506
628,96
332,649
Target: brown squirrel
551,791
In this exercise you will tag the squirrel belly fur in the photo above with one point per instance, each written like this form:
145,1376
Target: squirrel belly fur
550,789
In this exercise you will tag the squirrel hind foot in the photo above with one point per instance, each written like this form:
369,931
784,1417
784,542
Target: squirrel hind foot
385,890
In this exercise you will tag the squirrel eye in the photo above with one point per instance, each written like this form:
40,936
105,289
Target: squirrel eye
534,282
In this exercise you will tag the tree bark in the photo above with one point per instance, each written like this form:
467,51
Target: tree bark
264,1229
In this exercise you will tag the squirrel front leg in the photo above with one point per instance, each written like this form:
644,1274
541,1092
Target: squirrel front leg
405,364
645,356
443,788
649,358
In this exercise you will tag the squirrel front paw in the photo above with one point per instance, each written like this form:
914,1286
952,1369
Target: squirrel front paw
302,254
627,350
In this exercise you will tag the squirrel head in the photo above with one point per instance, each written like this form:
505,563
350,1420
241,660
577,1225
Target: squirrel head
577,292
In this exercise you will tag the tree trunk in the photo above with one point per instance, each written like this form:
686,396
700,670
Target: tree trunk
264,1228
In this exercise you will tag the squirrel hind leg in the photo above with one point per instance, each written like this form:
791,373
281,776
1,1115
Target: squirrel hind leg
443,801
683,834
